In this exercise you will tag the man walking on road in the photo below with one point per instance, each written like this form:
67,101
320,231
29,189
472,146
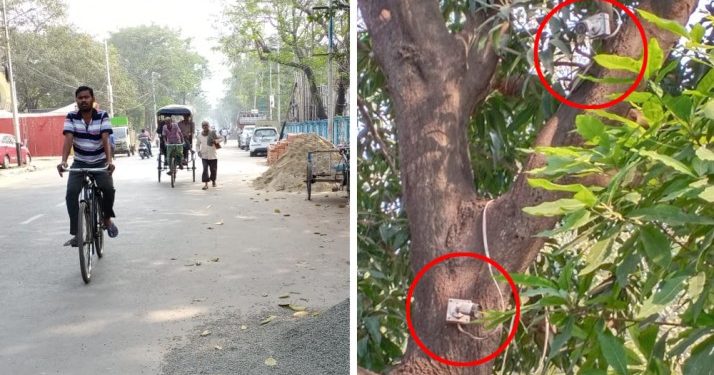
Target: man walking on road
87,130
207,140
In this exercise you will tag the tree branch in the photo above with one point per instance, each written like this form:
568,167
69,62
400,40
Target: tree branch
382,146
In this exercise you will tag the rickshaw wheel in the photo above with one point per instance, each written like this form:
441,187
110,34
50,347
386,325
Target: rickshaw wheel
172,168
309,180
159,167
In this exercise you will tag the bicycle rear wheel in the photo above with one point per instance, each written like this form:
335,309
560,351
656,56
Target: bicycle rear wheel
97,224
84,241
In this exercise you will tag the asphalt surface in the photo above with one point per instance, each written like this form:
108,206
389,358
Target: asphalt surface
184,259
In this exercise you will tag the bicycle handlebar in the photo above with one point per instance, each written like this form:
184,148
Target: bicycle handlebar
85,169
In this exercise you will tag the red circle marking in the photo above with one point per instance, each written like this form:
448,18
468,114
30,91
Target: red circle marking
516,298
622,97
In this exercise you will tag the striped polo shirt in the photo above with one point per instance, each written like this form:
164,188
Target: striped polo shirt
87,143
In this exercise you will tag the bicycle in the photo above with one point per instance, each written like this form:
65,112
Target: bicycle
90,230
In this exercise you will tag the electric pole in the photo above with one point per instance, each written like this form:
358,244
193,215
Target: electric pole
153,93
13,93
109,80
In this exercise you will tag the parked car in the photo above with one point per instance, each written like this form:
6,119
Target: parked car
261,139
8,151
123,140
244,139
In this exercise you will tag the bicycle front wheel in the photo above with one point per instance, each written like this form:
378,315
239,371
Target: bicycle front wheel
84,241
97,226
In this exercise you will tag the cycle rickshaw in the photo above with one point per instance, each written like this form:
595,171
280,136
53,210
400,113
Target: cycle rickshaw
334,168
172,166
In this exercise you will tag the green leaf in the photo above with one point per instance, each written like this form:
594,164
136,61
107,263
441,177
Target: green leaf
555,208
691,337
670,215
665,24
614,62
659,300
372,324
614,351
708,194
561,339
655,58
591,129
656,245
582,193
573,220
700,362
680,106
639,97
597,254
708,110
614,117
668,161
704,153
697,33
528,280
696,285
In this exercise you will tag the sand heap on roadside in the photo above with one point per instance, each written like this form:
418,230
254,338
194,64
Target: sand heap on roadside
288,170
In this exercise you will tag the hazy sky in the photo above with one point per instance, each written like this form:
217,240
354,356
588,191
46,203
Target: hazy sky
196,19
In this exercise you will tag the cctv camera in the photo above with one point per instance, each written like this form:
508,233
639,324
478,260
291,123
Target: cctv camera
596,26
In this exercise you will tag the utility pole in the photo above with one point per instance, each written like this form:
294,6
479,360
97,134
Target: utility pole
109,80
278,82
13,93
153,93
270,95
330,106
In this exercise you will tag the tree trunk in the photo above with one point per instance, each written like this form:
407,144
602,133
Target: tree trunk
435,83
316,98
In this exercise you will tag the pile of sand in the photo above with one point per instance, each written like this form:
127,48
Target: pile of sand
290,171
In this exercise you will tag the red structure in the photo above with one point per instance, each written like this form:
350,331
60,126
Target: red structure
42,132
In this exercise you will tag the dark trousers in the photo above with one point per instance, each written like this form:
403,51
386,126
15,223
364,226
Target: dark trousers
213,166
74,187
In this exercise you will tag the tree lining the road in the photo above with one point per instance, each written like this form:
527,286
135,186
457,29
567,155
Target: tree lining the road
301,33
621,270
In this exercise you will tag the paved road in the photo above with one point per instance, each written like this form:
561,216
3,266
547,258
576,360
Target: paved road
147,294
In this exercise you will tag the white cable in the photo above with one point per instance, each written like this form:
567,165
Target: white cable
469,334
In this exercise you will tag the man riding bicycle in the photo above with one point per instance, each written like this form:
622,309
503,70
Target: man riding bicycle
87,130
174,143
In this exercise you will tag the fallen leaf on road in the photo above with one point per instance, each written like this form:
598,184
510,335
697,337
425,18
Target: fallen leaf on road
318,205
189,265
215,259
218,347
205,333
283,304
173,258
304,299
266,199
342,206
316,313
199,299
268,320
209,206
210,228
300,314
198,263
276,211
219,223
265,294
271,361
243,328
297,308
286,215
284,296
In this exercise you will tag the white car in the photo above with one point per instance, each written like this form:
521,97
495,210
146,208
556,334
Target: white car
261,139
244,139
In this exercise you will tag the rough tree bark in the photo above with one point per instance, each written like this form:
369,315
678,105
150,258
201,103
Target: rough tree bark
436,81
